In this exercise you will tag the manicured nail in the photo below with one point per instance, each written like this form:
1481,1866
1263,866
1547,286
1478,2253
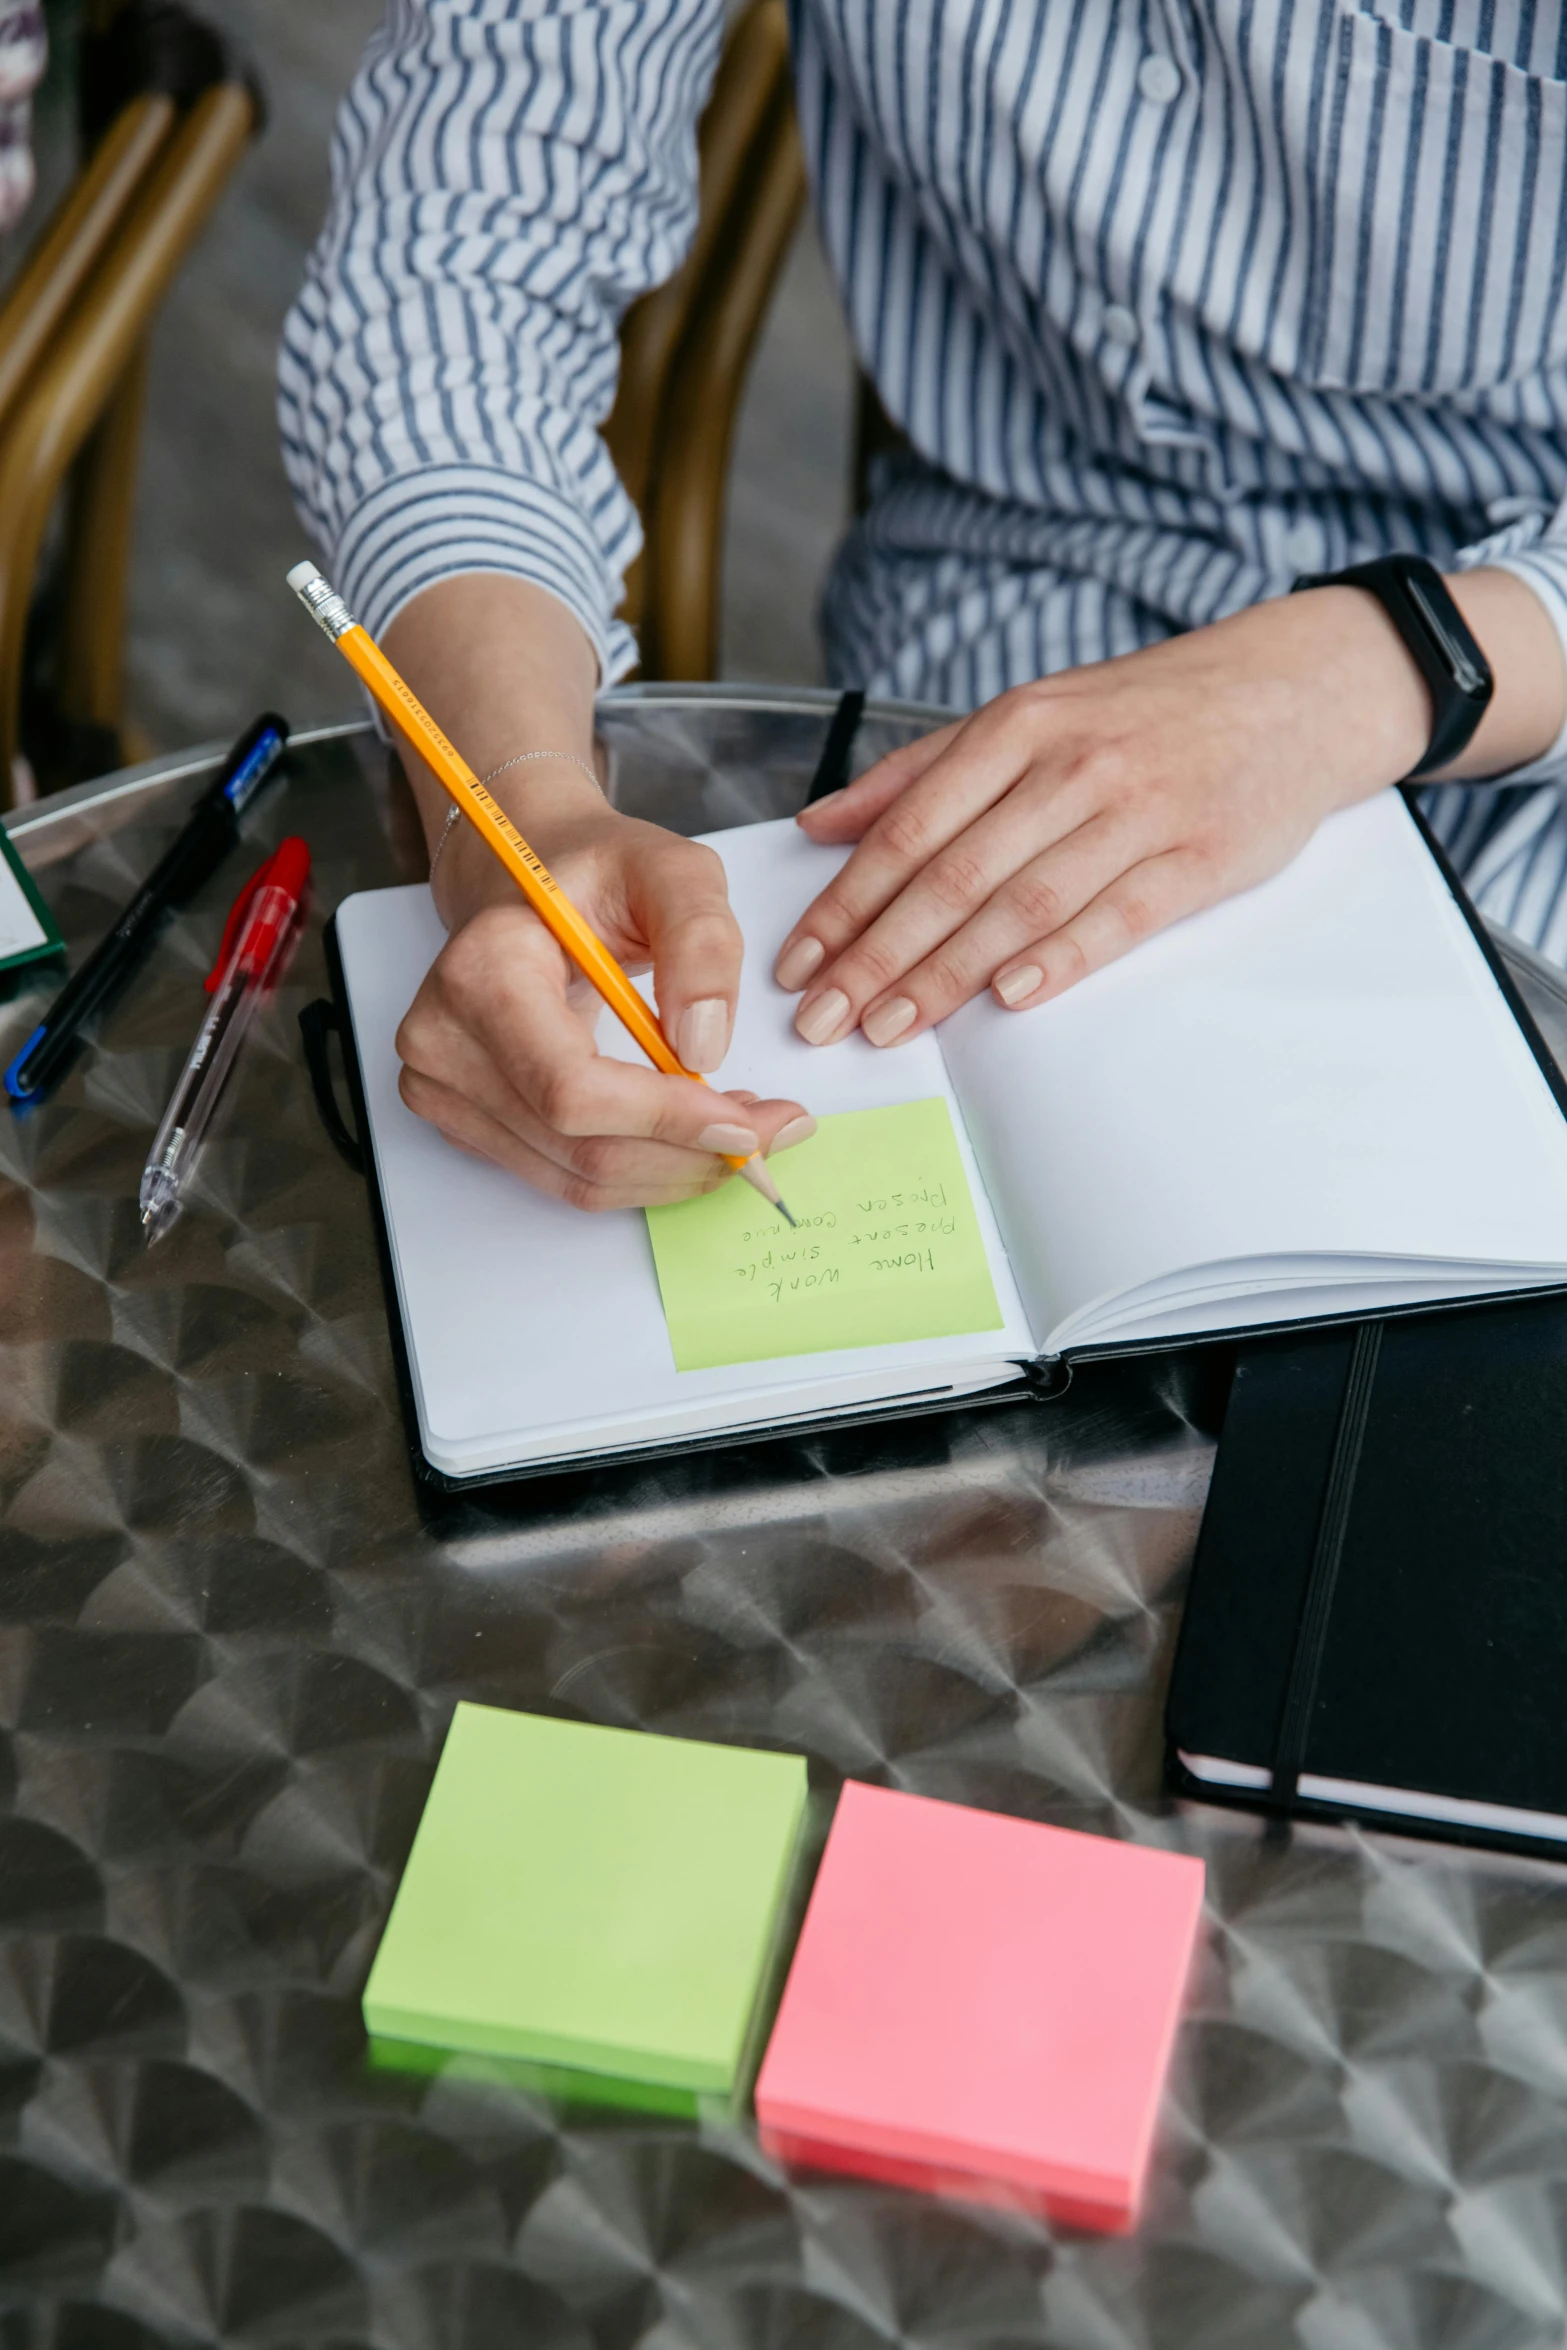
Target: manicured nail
797,1130
796,963
731,1142
820,1020
886,1023
703,1036
1015,987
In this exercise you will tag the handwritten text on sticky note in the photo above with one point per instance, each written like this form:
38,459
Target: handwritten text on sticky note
887,1246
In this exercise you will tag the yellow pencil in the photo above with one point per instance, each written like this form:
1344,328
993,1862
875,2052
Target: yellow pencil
543,893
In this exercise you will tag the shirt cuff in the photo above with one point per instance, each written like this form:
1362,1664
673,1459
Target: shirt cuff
450,519
1542,567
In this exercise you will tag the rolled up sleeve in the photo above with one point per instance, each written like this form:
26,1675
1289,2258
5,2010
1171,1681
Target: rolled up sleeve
507,178
1534,549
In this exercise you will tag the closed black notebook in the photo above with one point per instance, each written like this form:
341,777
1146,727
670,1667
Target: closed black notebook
1377,1621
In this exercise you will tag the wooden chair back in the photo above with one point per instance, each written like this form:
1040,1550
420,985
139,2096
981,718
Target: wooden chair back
73,331
73,334
686,347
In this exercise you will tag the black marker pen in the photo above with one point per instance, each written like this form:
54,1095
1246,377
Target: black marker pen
208,835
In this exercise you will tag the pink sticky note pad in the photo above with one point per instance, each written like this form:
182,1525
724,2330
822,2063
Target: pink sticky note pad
981,2006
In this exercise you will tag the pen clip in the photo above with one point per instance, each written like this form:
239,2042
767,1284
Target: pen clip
290,856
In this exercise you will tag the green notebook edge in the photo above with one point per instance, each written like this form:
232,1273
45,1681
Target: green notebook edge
52,943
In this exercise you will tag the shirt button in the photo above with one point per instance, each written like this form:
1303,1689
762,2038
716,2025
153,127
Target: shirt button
1159,79
1119,325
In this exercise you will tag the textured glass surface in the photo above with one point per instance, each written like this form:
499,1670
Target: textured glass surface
230,1641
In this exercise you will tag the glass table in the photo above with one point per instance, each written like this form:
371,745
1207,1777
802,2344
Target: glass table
231,1639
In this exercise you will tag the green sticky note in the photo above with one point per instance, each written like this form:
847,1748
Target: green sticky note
886,1246
596,1899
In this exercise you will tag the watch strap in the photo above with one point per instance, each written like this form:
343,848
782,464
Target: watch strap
1417,600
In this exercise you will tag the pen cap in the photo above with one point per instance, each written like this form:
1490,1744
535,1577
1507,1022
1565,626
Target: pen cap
272,895
252,760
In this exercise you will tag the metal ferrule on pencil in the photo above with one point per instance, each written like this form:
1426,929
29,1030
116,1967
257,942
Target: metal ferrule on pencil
321,600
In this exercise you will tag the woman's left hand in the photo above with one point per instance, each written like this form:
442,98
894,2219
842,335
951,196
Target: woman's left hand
1023,847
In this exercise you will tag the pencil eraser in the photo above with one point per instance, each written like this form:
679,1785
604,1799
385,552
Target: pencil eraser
599,1900
981,2006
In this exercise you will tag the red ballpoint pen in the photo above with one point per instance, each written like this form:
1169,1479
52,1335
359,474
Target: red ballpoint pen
258,930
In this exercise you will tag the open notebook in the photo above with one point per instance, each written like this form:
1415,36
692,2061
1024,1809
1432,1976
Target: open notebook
1314,1100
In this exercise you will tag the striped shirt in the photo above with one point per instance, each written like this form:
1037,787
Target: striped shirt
1173,299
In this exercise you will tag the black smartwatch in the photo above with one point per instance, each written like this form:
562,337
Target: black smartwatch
1413,594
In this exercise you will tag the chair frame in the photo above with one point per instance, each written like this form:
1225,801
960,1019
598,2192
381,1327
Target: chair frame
686,348
73,353
74,241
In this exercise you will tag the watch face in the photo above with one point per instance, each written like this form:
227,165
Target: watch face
1468,679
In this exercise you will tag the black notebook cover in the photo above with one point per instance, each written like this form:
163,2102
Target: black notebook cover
1380,1589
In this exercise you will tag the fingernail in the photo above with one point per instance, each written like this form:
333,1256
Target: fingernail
796,963
797,1130
886,1023
741,1093
825,800
1014,987
820,1020
731,1142
703,1035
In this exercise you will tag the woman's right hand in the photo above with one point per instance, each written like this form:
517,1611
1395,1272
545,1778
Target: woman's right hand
498,1047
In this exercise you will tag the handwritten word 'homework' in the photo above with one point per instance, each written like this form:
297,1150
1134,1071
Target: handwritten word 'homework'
886,1246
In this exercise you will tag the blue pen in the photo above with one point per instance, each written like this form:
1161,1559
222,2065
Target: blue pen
207,837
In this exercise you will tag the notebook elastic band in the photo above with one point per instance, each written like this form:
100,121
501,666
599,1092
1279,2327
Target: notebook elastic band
1316,1605
832,768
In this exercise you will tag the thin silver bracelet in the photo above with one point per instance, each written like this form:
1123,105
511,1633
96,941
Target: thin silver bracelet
521,759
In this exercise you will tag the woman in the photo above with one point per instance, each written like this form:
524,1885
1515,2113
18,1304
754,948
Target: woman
1174,301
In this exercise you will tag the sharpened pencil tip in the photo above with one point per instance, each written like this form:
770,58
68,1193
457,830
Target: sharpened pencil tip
755,1173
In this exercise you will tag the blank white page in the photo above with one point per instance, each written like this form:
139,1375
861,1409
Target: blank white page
535,1330
1322,1067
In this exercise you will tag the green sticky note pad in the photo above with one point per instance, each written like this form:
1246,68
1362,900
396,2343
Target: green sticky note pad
886,1246
590,1898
